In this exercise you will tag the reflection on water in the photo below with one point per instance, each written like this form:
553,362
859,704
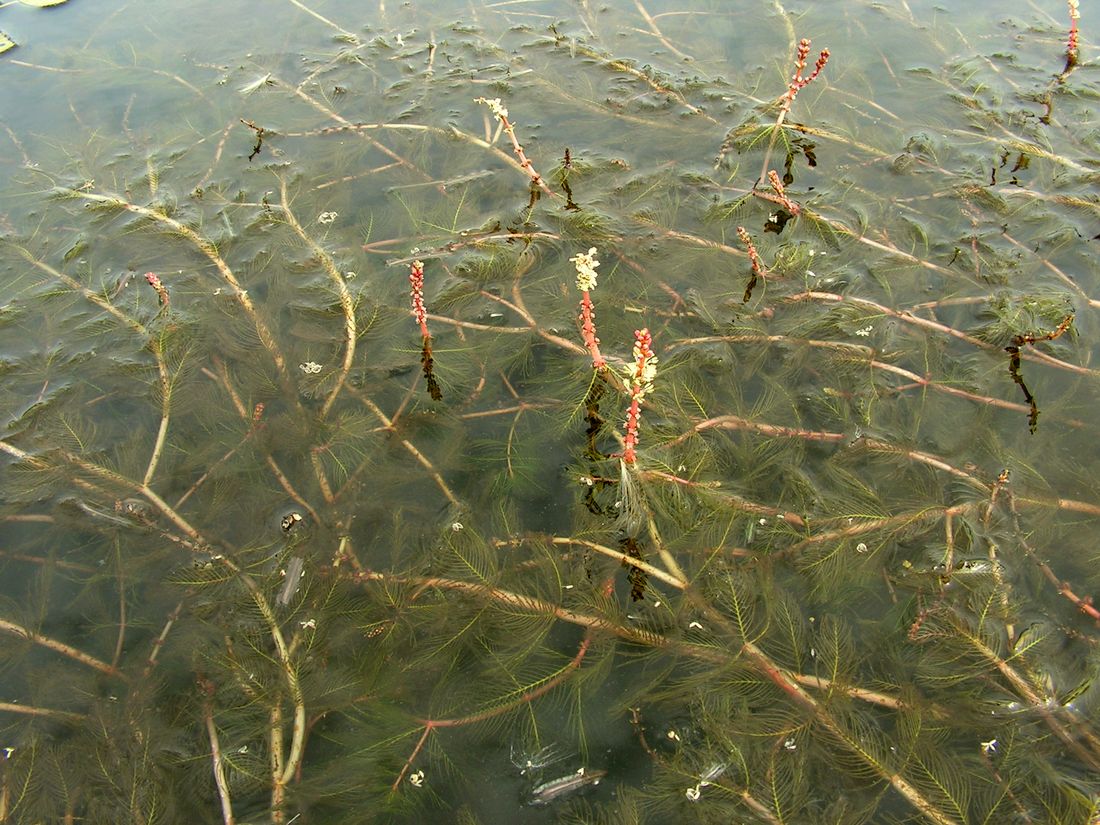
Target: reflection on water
335,488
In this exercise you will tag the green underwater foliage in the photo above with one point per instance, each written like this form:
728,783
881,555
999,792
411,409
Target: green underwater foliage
327,496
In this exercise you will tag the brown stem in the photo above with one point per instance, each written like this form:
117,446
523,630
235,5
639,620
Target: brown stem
219,764
1085,605
344,33
868,352
319,472
623,558
58,563
136,326
734,422
547,684
729,499
275,757
165,413
222,377
533,325
346,304
657,32
158,643
1024,690
780,677
915,320
121,612
62,648
365,127
626,67
871,525
210,251
30,710
206,475
388,424
217,154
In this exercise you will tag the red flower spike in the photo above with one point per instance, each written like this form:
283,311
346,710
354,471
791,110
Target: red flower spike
798,82
1074,16
641,382
777,185
588,332
754,256
416,278
161,289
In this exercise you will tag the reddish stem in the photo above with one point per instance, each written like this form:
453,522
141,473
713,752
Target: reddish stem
431,724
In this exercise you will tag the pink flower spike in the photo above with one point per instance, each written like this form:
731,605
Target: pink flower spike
641,377
800,61
798,82
586,264
588,332
777,185
754,256
1074,16
416,278
161,289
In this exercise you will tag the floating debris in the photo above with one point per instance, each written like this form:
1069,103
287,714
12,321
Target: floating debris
555,789
293,574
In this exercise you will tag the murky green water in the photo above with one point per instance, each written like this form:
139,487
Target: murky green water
254,570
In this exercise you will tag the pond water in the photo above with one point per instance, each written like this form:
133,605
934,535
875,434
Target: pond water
791,517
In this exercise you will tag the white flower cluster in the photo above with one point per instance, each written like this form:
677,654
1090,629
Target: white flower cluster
586,264
1074,10
643,378
494,106
327,217
705,781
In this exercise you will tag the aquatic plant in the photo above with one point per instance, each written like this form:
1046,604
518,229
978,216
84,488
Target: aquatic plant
797,83
842,572
758,269
420,313
1071,43
640,376
586,264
